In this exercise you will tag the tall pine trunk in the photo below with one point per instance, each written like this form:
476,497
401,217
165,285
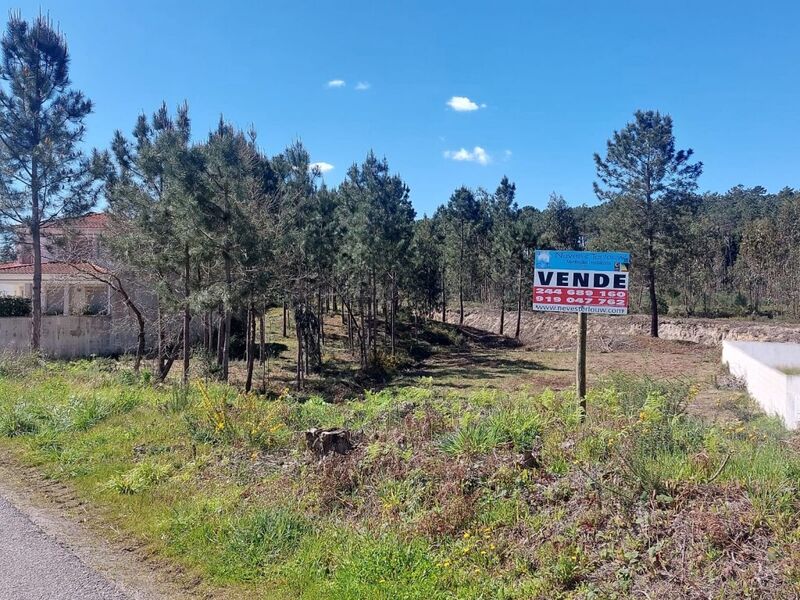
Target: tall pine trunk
220,334
519,303
460,300
461,279
261,339
300,361
444,295
187,315
502,310
651,286
226,347
36,300
251,346
393,309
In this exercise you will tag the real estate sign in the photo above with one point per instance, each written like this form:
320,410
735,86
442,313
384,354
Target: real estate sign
582,282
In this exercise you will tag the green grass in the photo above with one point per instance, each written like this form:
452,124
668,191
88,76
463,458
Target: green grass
432,503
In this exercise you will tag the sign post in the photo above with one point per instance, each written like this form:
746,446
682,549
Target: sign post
585,283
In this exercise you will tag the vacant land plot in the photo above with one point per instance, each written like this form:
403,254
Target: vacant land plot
472,473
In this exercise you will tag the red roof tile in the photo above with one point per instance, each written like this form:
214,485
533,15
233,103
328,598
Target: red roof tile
94,220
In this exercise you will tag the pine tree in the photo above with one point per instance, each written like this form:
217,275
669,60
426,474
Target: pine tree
561,231
43,175
463,220
153,209
423,280
504,237
643,175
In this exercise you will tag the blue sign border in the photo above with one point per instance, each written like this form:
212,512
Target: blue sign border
577,260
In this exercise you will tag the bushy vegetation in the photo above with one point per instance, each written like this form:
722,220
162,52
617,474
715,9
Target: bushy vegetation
484,495
13,306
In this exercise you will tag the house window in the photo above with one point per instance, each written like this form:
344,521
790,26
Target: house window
96,301
54,300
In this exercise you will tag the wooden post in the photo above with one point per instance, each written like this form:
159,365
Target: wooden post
580,370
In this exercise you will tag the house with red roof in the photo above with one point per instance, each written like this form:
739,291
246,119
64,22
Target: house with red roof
68,248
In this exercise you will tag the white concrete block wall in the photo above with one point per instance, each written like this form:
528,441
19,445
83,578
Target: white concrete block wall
68,337
758,363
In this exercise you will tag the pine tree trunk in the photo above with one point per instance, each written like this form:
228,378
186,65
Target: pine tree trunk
187,315
251,346
461,280
651,284
374,317
519,303
261,339
226,348
285,318
160,340
364,333
220,335
36,300
321,318
502,310
460,300
444,296
299,336
393,309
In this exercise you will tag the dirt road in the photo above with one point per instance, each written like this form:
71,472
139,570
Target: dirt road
54,547
36,565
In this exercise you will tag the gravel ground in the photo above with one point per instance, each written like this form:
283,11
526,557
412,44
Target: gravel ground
35,566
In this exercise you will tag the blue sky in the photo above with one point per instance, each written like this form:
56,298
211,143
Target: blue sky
548,82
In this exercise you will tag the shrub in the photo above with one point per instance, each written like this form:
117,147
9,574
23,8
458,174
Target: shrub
275,349
18,365
14,306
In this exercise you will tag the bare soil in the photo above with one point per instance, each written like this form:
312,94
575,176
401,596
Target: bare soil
543,357
552,331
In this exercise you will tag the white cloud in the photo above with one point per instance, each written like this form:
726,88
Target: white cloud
336,83
322,167
507,154
477,154
362,86
463,104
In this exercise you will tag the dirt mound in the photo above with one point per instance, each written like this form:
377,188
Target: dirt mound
556,332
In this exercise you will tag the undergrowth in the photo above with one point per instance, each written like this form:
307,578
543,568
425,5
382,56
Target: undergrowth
446,495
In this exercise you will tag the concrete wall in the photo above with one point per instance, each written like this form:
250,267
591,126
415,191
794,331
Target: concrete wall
68,337
758,364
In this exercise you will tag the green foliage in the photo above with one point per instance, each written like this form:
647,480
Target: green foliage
473,438
386,567
648,185
178,401
14,306
17,365
18,419
139,478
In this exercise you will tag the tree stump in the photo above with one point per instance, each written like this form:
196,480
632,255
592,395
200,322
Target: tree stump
324,441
